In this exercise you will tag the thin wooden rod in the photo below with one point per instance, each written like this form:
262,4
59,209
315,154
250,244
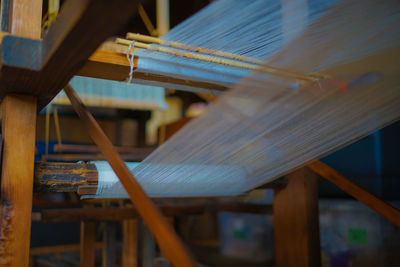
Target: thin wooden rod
381,207
218,60
47,129
146,20
57,124
163,232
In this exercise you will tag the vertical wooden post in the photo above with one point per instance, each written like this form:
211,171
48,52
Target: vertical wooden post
88,240
109,244
130,243
22,18
18,127
296,223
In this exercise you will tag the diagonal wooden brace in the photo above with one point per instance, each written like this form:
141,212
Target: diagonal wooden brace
166,237
378,205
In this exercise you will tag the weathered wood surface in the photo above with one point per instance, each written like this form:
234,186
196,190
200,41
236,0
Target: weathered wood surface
18,127
296,221
64,177
43,68
165,235
378,205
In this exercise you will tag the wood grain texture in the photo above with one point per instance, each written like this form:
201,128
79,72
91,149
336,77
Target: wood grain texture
87,245
296,222
378,205
63,177
18,127
163,232
25,18
130,243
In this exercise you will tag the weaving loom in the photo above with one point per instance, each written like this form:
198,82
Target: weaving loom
305,77
269,124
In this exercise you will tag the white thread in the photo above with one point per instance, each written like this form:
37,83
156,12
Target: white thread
263,127
131,59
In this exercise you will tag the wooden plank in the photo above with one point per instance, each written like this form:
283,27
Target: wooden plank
42,68
130,243
296,224
18,127
165,235
381,207
87,245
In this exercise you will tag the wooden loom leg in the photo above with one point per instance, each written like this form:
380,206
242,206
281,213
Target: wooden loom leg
296,223
130,243
22,18
18,127
109,243
166,237
87,245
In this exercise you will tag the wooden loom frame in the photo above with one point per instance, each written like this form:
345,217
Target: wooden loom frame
32,73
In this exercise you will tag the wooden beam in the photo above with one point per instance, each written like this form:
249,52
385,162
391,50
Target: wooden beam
43,68
381,207
126,213
165,235
59,248
296,222
110,213
130,243
87,245
113,65
18,128
64,177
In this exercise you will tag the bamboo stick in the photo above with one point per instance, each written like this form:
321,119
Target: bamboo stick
217,60
219,53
